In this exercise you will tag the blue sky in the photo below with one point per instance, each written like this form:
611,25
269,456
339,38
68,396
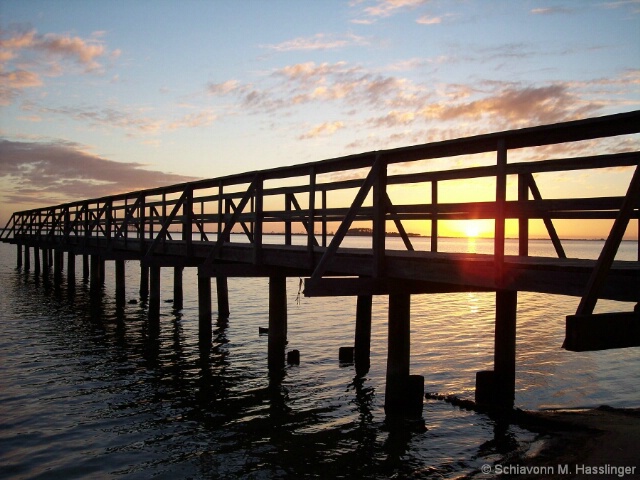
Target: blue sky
100,97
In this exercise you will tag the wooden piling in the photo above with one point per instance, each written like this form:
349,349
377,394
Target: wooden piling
505,347
95,281
144,281
399,342
85,267
71,269
178,298
45,259
19,257
277,322
120,283
27,258
154,292
222,291
362,344
58,260
36,257
204,310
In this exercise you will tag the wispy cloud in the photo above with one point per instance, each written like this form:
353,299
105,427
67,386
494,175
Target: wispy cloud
327,128
551,11
133,121
385,8
320,41
45,173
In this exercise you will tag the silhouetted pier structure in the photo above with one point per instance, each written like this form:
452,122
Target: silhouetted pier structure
190,225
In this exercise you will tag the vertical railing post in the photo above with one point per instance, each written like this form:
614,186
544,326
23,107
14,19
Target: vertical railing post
379,221
220,210
434,216
287,222
258,215
311,227
187,220
523,222
501,197
324,218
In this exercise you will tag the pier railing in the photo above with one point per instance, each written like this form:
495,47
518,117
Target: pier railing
316,198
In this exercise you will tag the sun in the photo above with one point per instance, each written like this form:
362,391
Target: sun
472,228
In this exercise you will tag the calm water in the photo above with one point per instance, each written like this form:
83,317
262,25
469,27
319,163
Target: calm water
86,392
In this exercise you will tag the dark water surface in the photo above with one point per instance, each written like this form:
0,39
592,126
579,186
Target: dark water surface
87,391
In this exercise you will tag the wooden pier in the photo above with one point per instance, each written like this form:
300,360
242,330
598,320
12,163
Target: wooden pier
190,225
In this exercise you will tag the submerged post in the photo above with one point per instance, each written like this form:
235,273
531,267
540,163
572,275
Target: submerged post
204,309
277,322
362,345
19,257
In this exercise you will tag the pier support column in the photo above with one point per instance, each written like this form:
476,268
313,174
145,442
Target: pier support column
399,342
95,281
154,293
120,283
222,291
45,259
85,267
362,344
204,310
277,322
496,389
36,257
144,281
27,258
58,261
19,257
178,298
71,269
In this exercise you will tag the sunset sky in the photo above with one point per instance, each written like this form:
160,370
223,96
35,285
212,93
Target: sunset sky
101,97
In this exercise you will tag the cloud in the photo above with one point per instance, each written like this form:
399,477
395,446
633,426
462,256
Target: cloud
134,121
48,173
428,20
27,56
319,41
327,128
551,11
386,8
